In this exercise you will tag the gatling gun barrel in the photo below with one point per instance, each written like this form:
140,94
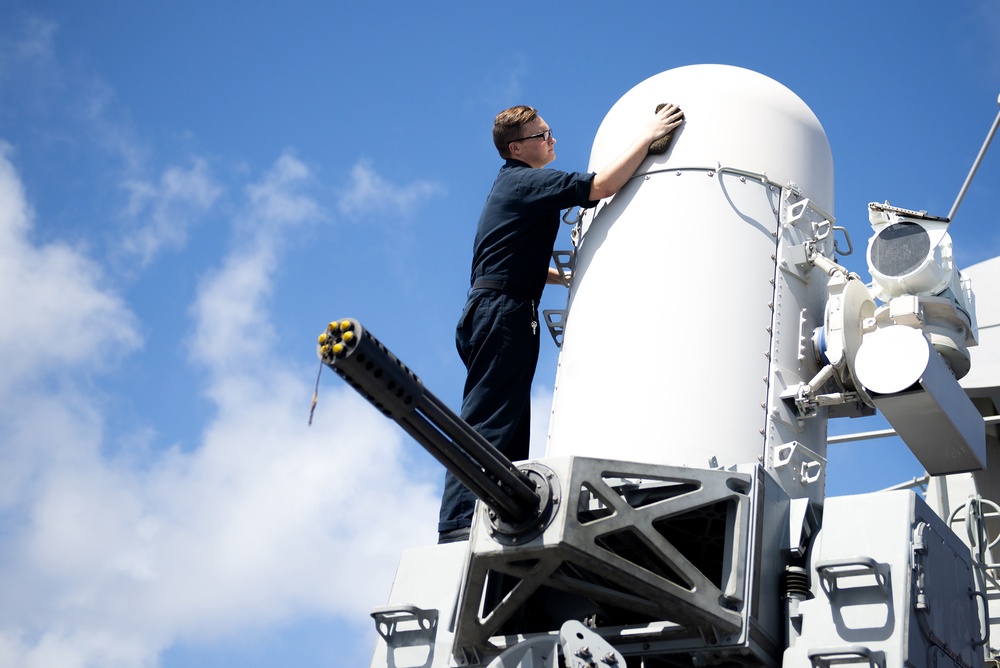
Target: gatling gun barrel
517,499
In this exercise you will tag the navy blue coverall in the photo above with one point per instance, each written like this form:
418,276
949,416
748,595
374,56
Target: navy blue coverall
497,334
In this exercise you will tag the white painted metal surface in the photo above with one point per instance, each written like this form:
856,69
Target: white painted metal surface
893,359
984,377
734,118
916,391
427,580
665,357
890,585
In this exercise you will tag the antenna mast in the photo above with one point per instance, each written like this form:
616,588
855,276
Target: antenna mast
975,165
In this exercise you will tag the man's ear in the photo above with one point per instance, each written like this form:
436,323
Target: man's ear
514,148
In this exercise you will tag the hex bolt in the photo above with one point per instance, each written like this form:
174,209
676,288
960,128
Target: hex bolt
610,659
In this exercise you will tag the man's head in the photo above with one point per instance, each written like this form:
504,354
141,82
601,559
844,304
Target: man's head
519,132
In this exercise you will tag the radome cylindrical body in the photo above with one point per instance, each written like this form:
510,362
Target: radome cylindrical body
671,325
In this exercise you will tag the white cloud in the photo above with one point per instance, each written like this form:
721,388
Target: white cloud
64,105
368,192
38,40
57,311
230,311
503,89
167,208
279,200
29,51
105,564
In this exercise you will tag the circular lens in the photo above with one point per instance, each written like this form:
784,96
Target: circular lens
900,249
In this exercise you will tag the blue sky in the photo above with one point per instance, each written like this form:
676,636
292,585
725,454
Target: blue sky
190,191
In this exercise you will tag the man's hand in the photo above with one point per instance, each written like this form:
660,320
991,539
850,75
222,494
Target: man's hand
668,117
662,143
609,180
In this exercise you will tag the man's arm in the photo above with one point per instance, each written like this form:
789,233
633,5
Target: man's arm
609,180
556,277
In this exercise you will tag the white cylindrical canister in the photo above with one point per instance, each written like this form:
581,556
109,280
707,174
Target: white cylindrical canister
668,335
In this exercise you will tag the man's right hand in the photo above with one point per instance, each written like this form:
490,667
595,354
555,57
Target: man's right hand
668,117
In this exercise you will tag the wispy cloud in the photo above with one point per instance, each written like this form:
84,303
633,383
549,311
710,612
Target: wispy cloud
76,114
29,52
279,198
166,208
370,193
230,312
505,88
104,564
36,41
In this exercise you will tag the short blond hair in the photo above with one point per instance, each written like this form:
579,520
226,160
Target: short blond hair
507,126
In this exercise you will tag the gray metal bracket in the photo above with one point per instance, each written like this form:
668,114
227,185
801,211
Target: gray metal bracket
583,648
419,625
831,570
555,319
849,654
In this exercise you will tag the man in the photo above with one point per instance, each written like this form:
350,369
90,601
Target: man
497,334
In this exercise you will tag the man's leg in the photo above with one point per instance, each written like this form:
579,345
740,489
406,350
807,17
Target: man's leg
500,351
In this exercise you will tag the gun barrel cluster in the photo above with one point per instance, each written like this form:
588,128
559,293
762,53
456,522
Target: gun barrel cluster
378,375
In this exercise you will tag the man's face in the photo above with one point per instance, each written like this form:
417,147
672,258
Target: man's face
537,151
